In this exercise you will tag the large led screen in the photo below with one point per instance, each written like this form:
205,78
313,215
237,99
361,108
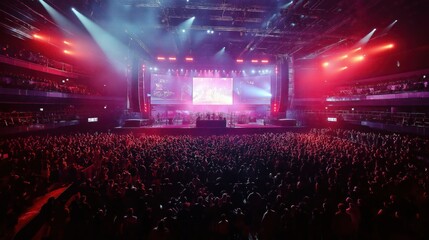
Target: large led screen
170,89
167,89
252,90
212,91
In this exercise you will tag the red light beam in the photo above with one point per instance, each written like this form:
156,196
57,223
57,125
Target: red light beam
388,46
382,48
37,36
68,52
358,58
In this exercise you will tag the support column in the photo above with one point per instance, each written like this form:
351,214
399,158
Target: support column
290,111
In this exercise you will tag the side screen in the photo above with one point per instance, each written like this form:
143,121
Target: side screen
168,89
252,90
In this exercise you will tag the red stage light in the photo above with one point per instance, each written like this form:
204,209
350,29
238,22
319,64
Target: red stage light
161,58
325,64
189,59
254,61
240,60
357,49
358,58
343,68
344,57
67,52
36,36
66,42
172,58
381,48
264,61
389,46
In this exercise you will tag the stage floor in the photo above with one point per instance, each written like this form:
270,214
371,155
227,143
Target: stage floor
191,129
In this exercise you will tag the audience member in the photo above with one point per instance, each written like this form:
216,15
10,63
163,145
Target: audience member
263,186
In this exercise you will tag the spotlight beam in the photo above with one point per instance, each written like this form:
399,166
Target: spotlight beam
114,50
366,39
186,25
220,53
390,26
181,33
387,29
286,5
65,24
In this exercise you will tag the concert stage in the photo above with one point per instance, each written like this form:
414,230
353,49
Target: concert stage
191,129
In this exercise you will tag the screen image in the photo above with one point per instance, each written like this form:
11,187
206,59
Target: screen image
252,90
169,89
212,91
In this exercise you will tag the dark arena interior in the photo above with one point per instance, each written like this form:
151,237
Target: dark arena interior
214,119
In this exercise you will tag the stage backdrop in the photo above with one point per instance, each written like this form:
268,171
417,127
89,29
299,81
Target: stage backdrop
175,89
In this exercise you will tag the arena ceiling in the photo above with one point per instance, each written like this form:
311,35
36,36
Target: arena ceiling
271,29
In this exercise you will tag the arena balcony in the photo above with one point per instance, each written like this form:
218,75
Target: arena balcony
399,89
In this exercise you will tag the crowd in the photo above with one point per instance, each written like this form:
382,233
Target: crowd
399,119
27,118
415,119
386,87
32,82
33,56
323,184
